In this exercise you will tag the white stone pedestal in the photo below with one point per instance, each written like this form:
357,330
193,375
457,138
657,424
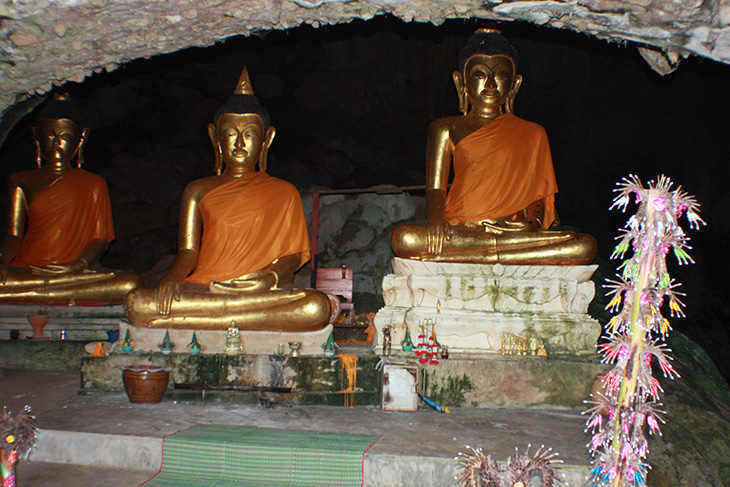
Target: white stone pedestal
214,341
480,302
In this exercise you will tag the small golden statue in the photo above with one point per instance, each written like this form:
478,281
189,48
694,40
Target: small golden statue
242,237
501,202
234,344
59,221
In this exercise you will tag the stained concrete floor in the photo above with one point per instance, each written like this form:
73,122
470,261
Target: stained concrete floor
424,434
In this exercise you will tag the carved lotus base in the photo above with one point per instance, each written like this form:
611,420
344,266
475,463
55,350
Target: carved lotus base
479,303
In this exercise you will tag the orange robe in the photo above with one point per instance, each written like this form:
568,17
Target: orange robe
248,223
501,169
64,217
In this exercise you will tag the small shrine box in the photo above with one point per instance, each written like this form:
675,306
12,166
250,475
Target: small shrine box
399,387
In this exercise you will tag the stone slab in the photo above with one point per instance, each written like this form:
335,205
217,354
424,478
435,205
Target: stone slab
41,354
214,341
89,323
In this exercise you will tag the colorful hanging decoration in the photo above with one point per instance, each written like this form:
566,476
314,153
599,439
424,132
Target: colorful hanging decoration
636,333
427,349
17,440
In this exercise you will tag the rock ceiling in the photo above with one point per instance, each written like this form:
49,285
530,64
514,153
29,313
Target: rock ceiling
45,43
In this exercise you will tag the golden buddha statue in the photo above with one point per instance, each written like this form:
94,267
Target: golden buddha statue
59,222
242,236
501,202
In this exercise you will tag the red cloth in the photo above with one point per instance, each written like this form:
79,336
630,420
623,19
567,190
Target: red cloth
248,223
64,217
501,169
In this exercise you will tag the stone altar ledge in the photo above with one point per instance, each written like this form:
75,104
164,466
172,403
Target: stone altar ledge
82,323
214,341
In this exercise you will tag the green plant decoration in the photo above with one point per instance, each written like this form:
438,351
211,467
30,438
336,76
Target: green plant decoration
330,346
407,343
166,342
194,342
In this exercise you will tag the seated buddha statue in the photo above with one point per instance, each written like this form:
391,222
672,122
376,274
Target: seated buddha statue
242,236
500,206
59,222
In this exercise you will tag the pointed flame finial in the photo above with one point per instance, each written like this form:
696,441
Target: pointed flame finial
244,84
484,30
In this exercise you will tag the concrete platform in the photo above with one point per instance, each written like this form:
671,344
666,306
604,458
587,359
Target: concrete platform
81,323
93,440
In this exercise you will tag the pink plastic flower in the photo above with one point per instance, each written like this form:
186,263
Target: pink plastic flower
653,423
625,450
659,203
595,421
596,441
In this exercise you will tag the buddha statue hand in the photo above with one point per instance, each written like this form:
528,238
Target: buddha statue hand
263,280
170,288
501,226
437,230
79,265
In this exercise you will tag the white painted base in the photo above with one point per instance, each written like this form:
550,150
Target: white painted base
214,341
478,303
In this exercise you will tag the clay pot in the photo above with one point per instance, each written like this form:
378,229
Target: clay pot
145,383
38,322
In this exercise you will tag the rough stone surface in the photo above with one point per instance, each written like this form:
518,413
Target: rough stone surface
48,42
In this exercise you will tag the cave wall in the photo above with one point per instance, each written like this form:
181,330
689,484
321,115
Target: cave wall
45,43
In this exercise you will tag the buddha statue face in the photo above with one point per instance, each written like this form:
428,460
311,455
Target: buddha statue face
488,80
240,141
58,140
240,137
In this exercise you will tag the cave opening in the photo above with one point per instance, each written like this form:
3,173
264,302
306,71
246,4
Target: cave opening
352,103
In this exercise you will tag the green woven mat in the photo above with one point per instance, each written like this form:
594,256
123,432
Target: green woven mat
242,456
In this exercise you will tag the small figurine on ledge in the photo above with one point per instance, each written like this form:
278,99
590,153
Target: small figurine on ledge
59,221
501,202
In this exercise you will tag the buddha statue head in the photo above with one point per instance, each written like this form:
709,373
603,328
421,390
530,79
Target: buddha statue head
241,133
57,134
488,78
